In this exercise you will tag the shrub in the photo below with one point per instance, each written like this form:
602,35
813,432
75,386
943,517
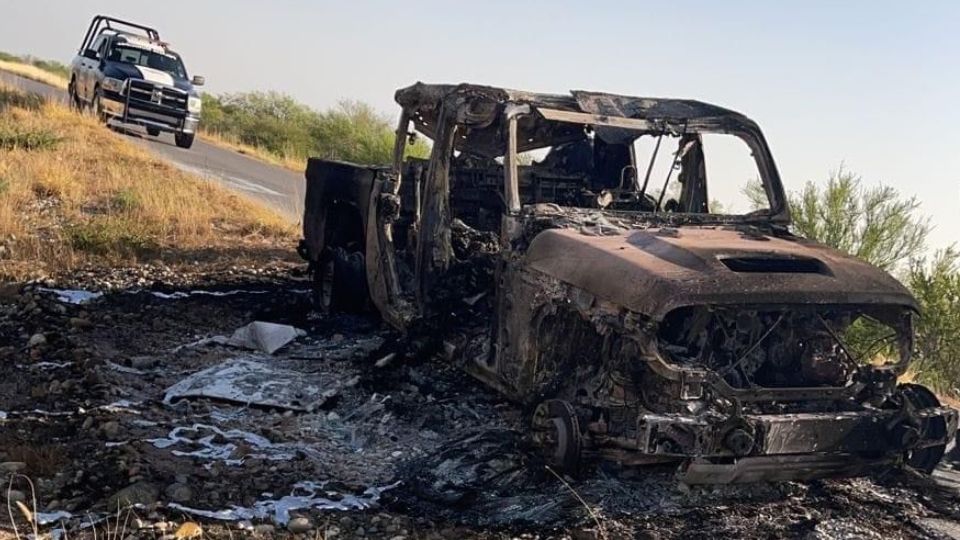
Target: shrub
34,139
125,200
109,236
352,131
12,98
936,284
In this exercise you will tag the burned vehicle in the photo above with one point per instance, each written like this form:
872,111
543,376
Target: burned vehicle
570,253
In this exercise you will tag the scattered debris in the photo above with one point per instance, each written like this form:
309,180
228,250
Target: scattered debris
264,336
72,296
179,295
249,381
258,335
255,446
448,458
304,496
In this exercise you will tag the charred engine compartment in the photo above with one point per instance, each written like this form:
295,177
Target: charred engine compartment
774,348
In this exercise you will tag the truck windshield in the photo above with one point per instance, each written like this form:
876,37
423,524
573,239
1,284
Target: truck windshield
150,59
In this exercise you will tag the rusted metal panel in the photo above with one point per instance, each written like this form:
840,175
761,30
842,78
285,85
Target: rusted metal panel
657,270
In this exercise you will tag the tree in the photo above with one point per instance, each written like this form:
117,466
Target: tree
882,227
937,348
875,224
353,131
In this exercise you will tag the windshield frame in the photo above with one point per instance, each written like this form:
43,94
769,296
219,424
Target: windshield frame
749,133
145,50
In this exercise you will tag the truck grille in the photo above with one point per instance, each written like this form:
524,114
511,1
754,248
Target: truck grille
143,92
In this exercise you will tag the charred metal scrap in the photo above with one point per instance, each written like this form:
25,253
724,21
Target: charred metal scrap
637,326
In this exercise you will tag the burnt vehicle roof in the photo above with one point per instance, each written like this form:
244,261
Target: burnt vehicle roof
480,106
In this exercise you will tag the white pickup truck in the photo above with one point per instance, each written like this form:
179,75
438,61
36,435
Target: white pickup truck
125,73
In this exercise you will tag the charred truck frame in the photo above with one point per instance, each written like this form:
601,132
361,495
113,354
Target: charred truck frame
635,328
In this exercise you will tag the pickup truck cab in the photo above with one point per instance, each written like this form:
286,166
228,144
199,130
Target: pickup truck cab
125,73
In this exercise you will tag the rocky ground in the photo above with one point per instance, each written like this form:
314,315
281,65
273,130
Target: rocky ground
339,434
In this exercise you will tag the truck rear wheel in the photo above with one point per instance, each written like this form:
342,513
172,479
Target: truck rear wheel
348,291
184,140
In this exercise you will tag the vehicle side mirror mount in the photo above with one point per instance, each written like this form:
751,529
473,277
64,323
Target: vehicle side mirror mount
91,54
198,80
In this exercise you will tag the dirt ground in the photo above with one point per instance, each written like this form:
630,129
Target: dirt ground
344,434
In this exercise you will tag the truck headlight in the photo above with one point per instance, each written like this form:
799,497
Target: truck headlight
194,104
113,85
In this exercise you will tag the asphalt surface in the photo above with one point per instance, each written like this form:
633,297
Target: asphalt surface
278,187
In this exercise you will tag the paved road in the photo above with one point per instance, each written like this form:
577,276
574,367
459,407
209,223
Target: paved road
276,186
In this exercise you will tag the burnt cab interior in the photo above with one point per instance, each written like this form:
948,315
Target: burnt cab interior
588,173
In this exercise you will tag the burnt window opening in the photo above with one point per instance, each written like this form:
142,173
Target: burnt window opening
776,265
786,347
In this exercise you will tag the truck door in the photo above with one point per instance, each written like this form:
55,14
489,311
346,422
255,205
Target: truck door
88,67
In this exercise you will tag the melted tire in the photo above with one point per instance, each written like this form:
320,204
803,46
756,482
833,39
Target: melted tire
922,459
348,291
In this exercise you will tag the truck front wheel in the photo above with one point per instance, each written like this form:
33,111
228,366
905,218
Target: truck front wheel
97,107
184,140
74,99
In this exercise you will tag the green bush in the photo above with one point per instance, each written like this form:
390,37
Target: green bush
105,236
17,138
936,284
125,200
277,123
22,100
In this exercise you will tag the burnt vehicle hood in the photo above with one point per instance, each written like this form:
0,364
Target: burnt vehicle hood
653,271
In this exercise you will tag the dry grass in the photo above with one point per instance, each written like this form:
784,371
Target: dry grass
224,141
34,73
83,195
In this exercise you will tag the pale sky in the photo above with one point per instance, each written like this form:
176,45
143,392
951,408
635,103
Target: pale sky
871,84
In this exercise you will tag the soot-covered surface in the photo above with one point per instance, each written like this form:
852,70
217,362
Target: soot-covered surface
400,445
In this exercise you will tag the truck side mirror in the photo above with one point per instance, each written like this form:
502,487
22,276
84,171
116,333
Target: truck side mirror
198,80
90,54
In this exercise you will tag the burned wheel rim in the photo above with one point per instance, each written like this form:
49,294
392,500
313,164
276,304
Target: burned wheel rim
922,459
556,430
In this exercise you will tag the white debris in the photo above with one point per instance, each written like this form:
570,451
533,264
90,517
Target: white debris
305,495
121,406
45,518
210,449
72,296
264,336
45,366
122,369
258,336
216,340
187,294
250,382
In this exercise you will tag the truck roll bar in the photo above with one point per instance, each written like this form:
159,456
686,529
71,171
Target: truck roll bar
103,22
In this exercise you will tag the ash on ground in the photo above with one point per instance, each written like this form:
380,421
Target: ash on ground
118,390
